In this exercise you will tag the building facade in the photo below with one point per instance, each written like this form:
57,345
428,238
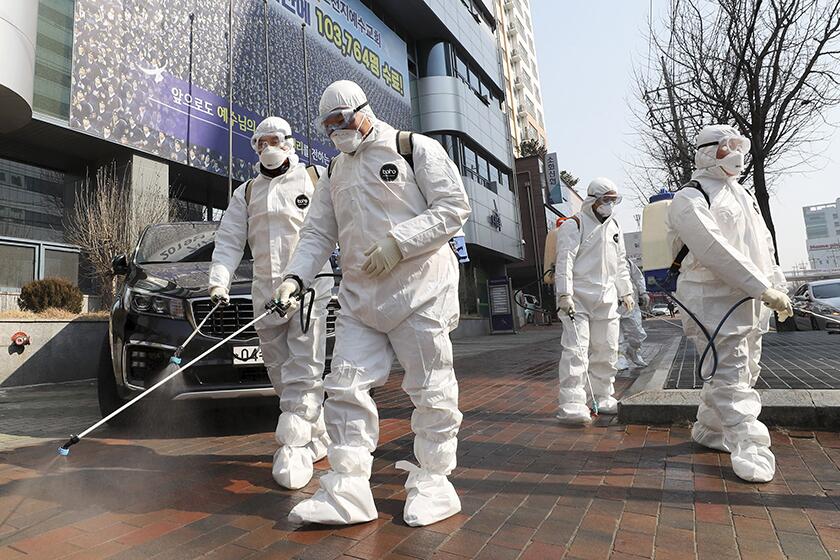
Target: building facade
521,75
822,229
148,88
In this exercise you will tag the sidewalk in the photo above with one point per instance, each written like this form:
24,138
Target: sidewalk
199,484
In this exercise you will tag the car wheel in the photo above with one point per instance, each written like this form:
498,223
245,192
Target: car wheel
786,326
106,385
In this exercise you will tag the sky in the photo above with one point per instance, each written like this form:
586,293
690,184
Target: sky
586,52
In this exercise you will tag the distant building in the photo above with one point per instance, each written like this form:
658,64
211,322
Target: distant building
633,246
515,33
822,228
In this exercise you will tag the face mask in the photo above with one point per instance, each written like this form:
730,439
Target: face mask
273,157
605,210
732,163
347,140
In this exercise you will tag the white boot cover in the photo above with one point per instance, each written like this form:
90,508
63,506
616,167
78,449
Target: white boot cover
431,497
345,497
707,437
292,465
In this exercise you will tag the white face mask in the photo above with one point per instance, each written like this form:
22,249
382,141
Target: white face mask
605,210
347,140
273,157
732,163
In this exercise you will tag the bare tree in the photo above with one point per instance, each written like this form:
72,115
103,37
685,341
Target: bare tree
107,220
770,67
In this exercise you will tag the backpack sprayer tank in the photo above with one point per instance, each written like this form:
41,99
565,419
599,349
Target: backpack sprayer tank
657,253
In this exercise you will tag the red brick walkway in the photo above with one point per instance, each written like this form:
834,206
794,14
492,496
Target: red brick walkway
530,489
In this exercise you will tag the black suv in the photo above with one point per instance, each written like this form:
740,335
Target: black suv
163,298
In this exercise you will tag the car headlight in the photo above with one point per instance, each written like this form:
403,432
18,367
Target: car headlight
148,304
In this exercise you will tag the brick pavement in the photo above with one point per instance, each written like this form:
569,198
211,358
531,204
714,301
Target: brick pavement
530,488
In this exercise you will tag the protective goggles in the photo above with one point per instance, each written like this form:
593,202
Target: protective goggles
259,143
337,119
730,144
608,198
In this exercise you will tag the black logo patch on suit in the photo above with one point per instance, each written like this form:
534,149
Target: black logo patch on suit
302,201
389,172
615,238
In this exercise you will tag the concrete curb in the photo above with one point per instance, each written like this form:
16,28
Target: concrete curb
646,402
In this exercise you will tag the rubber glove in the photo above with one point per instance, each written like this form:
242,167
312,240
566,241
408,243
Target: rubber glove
566,305
644,301
778,302
382,256
629,302
286,291
219,295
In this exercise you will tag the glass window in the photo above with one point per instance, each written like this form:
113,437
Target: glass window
18,266
61,264
483,171
53,57
470,163
461,68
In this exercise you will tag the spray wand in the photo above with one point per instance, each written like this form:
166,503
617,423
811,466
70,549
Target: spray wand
271,307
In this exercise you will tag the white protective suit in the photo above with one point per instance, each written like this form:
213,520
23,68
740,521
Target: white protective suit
294,360
590,266
407,312
631,332
730,256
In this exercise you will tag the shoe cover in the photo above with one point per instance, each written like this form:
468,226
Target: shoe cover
622,363
574,413
318,447
431,497
293,430
292,468
708,437
636,359
607,405
753,462
345,496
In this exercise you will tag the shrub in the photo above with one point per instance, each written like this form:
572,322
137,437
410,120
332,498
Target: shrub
59,293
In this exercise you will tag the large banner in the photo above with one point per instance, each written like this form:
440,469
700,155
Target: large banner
153,74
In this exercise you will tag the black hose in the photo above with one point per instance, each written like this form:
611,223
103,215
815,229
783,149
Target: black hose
710,338
306,311
528,285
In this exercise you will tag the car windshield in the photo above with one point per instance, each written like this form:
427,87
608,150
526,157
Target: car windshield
178,242
826,291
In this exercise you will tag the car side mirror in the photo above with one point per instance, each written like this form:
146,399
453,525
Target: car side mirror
119,265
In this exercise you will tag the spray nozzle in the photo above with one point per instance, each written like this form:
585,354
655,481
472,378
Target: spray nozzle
64,450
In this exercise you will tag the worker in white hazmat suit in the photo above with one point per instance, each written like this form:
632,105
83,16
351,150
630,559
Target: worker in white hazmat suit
591,280
268,212
393,219
730,256
631,332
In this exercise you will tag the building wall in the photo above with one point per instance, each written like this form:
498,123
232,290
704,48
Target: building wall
822,229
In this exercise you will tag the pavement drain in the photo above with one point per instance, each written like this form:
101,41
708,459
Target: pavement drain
799,360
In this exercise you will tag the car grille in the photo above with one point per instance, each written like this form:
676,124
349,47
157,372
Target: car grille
226,320
143,361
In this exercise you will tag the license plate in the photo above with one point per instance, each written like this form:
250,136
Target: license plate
247,355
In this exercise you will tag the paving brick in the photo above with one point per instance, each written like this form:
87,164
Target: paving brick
530,488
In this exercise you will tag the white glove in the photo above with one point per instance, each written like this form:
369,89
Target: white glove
286,291
644,301
629,302
566,305
382,256
778,302
219,294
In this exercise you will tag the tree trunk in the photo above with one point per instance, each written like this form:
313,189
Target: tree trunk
763,199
